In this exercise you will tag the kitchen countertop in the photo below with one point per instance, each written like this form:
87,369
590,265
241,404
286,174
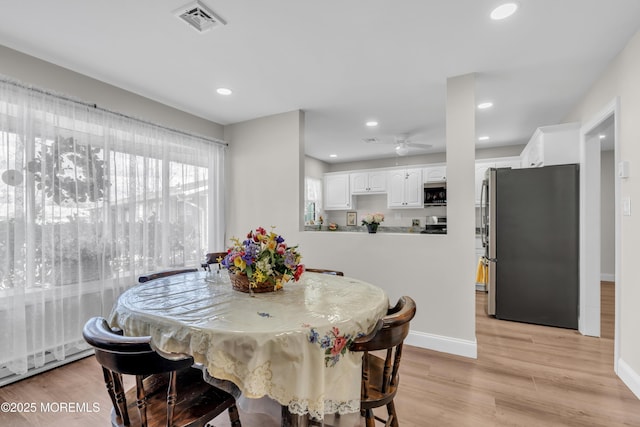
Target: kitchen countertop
363,229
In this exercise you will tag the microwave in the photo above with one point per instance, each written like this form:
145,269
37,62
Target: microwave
435,194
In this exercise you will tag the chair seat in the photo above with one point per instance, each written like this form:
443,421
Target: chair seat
375,396
195,398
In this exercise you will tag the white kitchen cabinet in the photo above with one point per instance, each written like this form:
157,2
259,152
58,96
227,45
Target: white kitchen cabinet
483,165
405,189
509,162
434,174
553,145
532,156
481,170
368,182
337,194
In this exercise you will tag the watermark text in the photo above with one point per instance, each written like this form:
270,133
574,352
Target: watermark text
49,407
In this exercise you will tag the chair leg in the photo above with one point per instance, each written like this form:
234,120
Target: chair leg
121,402
233,416
108,380
370,418
141,401
391,410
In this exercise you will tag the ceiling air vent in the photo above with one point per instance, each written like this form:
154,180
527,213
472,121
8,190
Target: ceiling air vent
371,140
199,17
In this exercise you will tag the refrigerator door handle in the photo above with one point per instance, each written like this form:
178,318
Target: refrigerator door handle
483,212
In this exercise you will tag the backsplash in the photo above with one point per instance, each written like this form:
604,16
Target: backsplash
372,203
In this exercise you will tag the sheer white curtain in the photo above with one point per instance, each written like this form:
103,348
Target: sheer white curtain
89,200
313,200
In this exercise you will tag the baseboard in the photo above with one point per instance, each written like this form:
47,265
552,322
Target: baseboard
629,377
443,344
605,277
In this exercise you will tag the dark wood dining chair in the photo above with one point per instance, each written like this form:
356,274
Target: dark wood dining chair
166,273
325,271
168,392
212,258
380,375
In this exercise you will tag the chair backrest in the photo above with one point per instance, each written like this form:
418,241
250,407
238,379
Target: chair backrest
391,330
154,401
380,376
119,355
212,258
127,355
325,271
166,273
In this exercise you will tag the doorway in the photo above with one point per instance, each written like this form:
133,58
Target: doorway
599,219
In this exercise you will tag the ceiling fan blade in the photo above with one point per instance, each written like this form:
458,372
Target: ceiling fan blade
374,140
419,145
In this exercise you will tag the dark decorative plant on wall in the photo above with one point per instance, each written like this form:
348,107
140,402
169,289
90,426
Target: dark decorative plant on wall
67,170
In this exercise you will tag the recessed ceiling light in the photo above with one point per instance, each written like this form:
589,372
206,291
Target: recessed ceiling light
484,105
224,91
333,156
603,136
504,11
372,123
483,138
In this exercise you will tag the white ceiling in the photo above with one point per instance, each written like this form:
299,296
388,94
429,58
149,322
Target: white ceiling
342,62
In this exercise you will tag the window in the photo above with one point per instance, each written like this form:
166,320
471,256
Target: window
89,200
313,200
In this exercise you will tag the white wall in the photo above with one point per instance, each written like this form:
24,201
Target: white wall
33,71
315,168
265,165
370,203
621,79
607,216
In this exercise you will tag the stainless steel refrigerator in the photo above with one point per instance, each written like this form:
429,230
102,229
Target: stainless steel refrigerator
530,231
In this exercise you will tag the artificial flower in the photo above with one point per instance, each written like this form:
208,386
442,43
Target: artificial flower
264,257
375,218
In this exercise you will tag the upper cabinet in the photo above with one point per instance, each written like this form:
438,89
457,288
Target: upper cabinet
337,195
434,174
405,189
481,170
553,145
483,165
368,182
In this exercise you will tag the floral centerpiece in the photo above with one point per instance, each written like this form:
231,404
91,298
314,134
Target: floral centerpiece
262,262
372,221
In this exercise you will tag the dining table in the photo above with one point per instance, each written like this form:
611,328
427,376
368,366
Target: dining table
290,347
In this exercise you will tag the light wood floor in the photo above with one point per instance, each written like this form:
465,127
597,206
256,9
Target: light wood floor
525,375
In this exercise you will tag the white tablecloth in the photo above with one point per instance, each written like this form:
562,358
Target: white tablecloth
289,345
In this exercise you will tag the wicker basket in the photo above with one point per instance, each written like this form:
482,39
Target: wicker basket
240,282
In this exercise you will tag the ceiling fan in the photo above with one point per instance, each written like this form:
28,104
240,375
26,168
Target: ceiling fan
403,145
